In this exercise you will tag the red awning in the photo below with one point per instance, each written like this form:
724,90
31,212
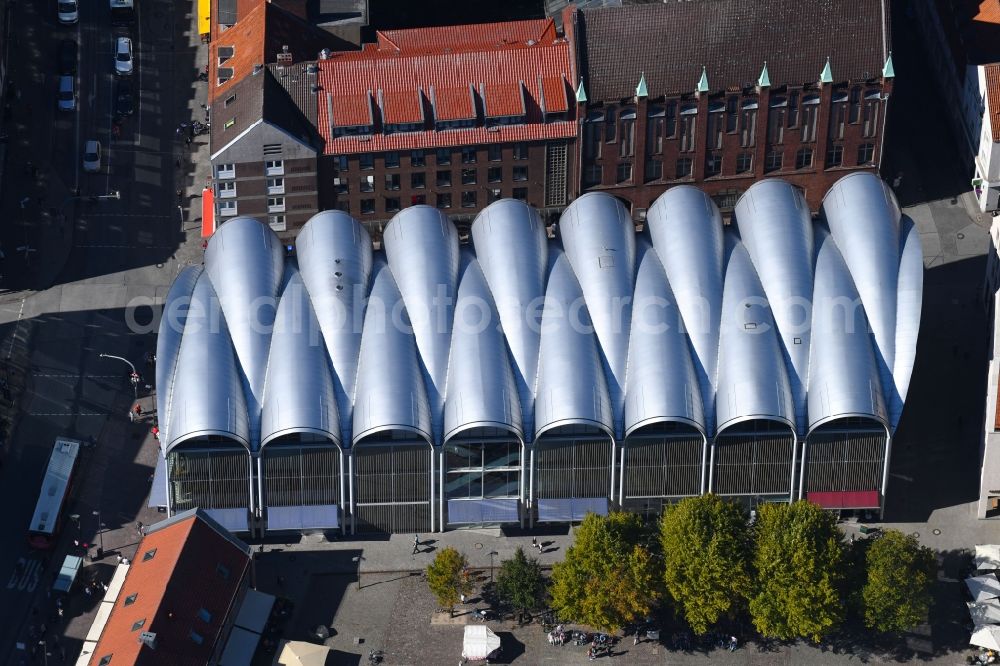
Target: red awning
846,499
207,212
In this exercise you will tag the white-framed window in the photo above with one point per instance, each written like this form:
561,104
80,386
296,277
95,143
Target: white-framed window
275,185
225,171
276,222
227,208
227,190
274,168
276,204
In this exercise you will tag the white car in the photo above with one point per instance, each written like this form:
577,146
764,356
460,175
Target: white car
67,93
92,156
123,56
67,11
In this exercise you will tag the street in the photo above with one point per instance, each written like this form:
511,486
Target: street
81,271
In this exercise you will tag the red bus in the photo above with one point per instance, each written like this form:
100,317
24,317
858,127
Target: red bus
59,476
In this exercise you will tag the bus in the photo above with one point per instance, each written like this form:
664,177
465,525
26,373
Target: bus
122,12
59,476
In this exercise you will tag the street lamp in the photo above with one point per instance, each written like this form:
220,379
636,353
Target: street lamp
492,554
133,378
100,534
45,650
359,560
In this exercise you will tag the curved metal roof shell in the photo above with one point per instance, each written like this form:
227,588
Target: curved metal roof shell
553,351
909,299
599,240
168,342
421,245
753,383
871,251
512,248
661,384
776,228
390,389
686,229
844,377
249,298
207,397
335,261
298,388
481,390
572,389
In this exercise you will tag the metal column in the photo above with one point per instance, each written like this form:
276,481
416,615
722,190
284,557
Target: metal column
432,490
343,511
350,485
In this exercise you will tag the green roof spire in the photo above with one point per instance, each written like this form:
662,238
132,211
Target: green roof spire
888,72
703,81
641,90
581,94
764,80
827,75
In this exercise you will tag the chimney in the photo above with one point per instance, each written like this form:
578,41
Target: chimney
148,638
285,58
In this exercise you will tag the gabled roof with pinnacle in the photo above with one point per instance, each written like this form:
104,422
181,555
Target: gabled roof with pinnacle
793,36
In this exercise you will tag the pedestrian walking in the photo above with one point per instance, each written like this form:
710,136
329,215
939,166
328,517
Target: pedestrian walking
635,641
137,409
733,643
416,544
59,611
462,597
131,416
156,433
138,527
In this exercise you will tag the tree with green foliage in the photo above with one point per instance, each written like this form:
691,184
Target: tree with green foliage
898,574
608,577
798,559
520,582
706,552
447,577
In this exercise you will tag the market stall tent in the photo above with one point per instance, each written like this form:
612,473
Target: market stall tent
479,643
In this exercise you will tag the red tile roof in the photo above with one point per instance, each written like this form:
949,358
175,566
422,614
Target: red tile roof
352,110
993,98
402,106
421,59
257,38
503,100
468,37
554,93
183,576
453,103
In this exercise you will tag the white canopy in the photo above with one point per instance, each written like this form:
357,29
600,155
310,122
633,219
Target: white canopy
987,636
479,643
987,612
988,557
984,588
300,653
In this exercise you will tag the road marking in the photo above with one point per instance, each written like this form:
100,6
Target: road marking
26,575
13,336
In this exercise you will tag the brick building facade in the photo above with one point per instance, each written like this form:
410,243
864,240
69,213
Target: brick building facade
652,116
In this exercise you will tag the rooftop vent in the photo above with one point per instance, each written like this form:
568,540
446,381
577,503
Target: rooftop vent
324,54
312,68
285,57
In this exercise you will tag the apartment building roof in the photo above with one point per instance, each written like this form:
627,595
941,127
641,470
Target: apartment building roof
520,68
181,587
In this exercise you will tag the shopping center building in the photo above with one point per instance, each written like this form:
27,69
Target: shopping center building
532,374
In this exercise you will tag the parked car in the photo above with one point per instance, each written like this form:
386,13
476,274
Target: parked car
92,156
124,102
67,93
68,11
123,56
67,57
